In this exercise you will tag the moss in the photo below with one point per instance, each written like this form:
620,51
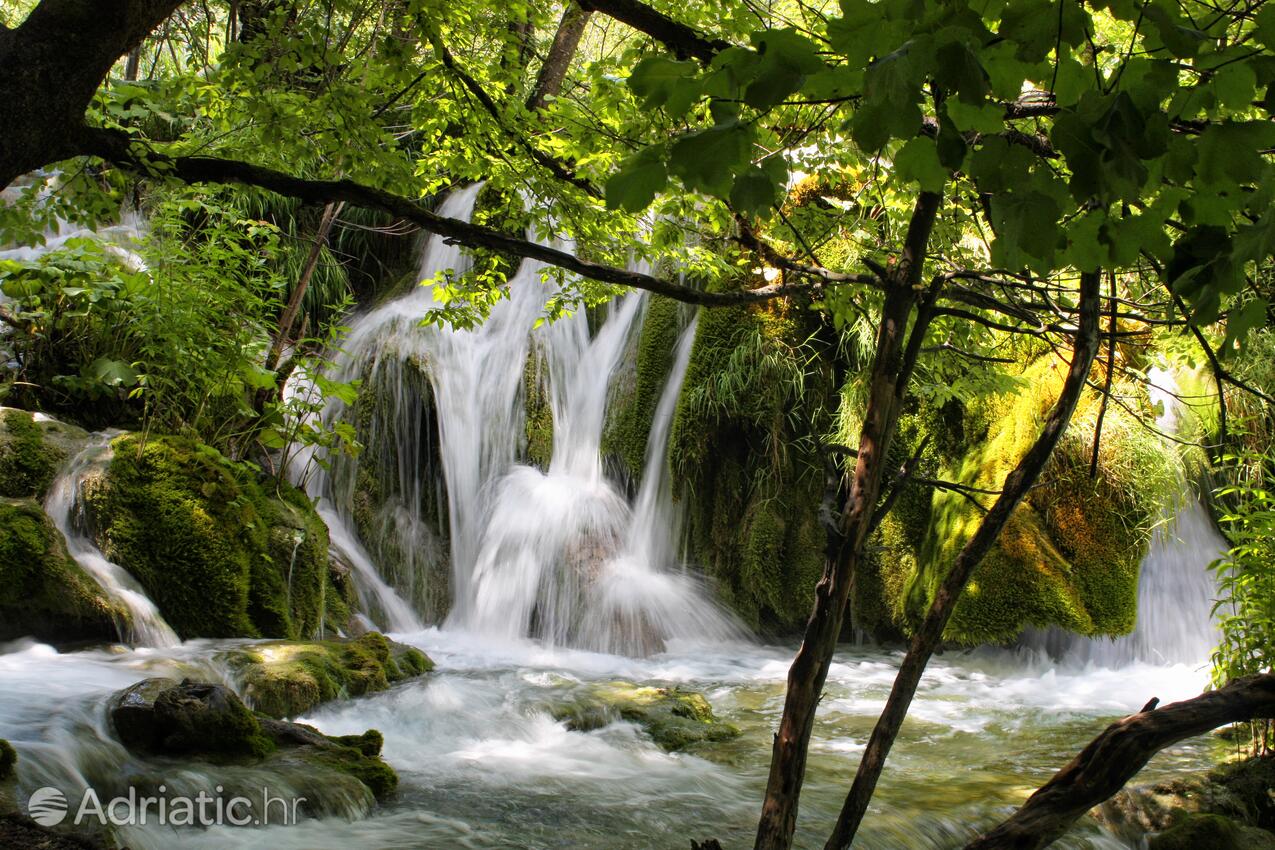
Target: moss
8,760
44,593
1070,553
220,555
674,718
741,447
1211,832
27,463
355,761
538,422
628,427
289,679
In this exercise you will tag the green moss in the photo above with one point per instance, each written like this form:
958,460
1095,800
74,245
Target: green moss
378,776
674,718
1211,832
1070,553
741,447
538,424
27,463
220,555
289,679
8,759
43,592
634,407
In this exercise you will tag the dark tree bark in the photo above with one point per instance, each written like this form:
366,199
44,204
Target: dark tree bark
677,37
1110,760
288,320
565,42
51,66
928,636
890,374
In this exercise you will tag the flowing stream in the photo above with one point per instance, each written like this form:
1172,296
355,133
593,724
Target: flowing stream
549,579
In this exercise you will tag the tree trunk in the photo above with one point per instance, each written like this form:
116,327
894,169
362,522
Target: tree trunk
927,638
561,52
134,63
1110,760
806,677
289,318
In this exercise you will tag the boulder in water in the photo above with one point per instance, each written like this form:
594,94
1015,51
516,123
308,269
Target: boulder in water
31,452
208,722
1211,832
674,718
44,593
8,760
287,679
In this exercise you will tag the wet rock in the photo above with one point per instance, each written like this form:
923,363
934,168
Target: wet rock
1211,832
674,718
8,760
22,833
31,452
44,593
207,722
287,679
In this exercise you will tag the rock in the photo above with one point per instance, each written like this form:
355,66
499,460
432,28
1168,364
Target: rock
1211,832
31,452
163,718
287,679
8,760
22,833
674,718
44,593
219,552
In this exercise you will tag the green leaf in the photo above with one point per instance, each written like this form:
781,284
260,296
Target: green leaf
918,161
754,192
640,178
981,118
707,160
1240,322
113,373
655,78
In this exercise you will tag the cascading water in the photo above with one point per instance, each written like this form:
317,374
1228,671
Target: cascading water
1176,591
556,554
147,626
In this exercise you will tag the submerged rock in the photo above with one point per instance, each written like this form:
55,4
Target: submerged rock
287,679
207,722
44,593
1211,832
674,718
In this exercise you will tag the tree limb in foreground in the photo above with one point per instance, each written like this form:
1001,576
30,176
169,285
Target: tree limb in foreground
1110,760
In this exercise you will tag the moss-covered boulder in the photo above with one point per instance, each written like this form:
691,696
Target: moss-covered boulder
1242,792
8,760
674,718
289,679
222,553
161,718
32,450
1211,832
44,593
1069,555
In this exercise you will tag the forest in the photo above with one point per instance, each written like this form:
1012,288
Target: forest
637,424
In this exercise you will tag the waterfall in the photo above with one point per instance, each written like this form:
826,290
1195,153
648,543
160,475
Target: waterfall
63,507
1176,591
556,554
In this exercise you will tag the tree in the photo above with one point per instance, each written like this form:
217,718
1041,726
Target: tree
1000,160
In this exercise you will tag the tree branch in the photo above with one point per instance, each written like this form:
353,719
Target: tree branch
677,37
1114,757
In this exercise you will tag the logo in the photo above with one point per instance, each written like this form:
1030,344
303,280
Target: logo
47,806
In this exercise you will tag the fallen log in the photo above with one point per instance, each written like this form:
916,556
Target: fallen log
1114,757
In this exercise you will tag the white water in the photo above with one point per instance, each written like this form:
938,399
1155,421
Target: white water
482,763
147,627
558,554
1176,591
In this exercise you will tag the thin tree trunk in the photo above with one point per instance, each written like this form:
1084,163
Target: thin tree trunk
1110,760
891,370
289,318
134,63
928,636
565,42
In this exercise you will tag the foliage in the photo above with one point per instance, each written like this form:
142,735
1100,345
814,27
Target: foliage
1246,581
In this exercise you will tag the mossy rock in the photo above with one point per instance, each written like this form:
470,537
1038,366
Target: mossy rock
31,452
220,553
44,593
1069,555
538,421
674,718
8,760
289,679
1211,832
208,722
